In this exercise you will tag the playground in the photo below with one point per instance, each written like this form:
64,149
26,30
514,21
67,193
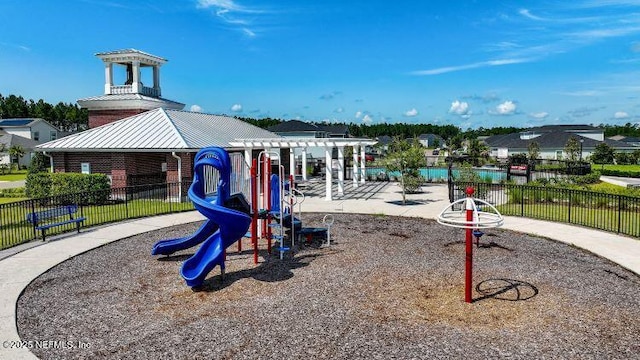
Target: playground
387,287
236,285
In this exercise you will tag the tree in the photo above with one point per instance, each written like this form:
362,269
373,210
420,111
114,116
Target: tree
603,154
534,150
477,150
15,153
455,143
572,148
406,158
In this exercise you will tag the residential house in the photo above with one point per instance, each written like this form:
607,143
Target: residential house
431,140
8,140
36,129
301,129
551,140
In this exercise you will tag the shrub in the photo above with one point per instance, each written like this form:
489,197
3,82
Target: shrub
38,185
94,188
515,194
412,182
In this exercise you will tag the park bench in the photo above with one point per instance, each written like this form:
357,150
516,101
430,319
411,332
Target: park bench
46,219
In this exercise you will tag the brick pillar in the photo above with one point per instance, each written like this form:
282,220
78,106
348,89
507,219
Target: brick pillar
59,162
118,170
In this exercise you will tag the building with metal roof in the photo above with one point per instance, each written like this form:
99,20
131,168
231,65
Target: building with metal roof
135,136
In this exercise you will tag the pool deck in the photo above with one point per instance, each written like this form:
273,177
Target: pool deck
17,270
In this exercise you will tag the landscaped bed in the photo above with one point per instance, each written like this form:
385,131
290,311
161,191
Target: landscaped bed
388,287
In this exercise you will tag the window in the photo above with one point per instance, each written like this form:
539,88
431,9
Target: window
36,135
85,168
558,154
53,135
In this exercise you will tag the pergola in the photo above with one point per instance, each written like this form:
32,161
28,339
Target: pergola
303,143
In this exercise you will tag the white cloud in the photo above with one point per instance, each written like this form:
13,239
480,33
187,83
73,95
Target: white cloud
339,110
236,108
411,113
195,108
526,13
506,108
358,114
539,115
233,14
459,108
620,115
367,119
448,69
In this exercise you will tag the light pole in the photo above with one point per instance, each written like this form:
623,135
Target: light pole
581,141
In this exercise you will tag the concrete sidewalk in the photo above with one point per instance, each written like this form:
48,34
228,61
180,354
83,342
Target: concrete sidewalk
18,270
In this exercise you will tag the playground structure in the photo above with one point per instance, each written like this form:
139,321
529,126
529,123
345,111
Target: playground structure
472,218
230,216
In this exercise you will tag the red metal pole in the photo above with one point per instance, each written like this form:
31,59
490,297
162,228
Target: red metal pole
254,208
468,249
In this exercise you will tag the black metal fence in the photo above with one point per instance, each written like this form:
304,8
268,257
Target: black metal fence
608,212
98,207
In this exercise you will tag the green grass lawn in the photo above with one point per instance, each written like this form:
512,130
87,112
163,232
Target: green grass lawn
617,167
15,229
605,217
5,200
14,176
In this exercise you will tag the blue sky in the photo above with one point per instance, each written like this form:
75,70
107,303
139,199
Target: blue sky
468,63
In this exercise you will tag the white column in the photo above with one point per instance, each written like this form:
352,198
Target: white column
135,86
355,166
108,78
340,170
362,166
327,155
247,157
292,161
156,79
304,164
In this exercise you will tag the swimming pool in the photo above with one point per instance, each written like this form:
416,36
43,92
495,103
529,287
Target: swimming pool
440,174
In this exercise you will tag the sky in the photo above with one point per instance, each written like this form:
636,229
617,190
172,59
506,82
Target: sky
467,63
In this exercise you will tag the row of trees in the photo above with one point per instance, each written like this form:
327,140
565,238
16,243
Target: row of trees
66,117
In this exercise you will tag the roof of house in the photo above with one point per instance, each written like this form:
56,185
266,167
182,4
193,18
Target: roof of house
431,138
293,126
384,139
341,129
18,122
10,140
630,139
160,130
554,128
550,140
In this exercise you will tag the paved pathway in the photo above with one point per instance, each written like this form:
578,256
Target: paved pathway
18,270
11,184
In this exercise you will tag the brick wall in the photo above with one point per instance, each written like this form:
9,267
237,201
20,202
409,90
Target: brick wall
102,117
119,165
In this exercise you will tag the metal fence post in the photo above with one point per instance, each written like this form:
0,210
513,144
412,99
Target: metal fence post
619,212
569,208
522,201
33,211
126,202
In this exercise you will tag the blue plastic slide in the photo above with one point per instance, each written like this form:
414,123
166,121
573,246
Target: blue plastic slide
169,246
231,224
